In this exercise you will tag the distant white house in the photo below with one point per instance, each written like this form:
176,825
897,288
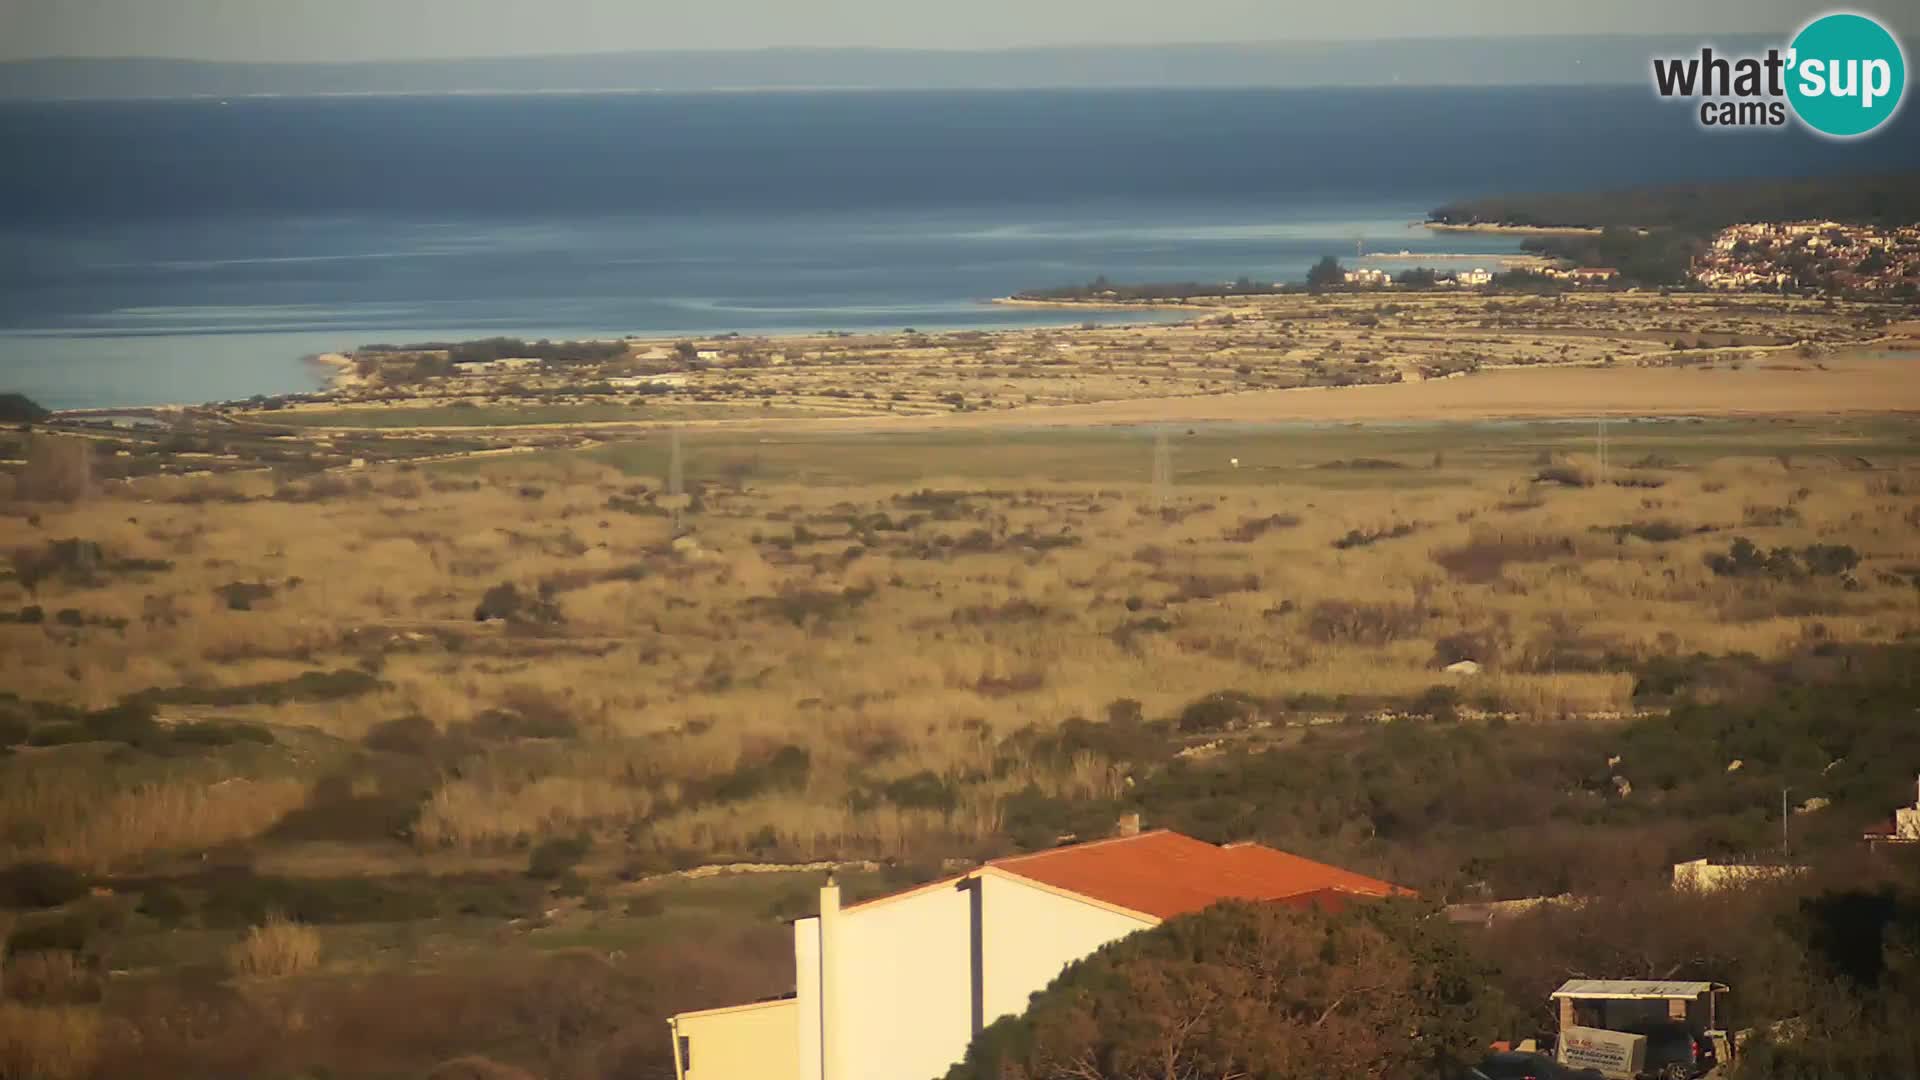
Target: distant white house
495,367
1368,275
1713,874
1475,276
1905,827
895,988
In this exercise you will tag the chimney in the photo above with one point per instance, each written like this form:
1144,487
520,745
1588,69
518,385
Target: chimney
832,1063
1129,824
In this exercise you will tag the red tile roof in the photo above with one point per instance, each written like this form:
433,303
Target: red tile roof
1165,874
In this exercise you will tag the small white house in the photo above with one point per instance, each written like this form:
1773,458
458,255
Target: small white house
1905,827
895,988
1710,875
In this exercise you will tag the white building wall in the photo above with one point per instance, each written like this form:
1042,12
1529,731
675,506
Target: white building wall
747,1042
806,981
906,966
1031,934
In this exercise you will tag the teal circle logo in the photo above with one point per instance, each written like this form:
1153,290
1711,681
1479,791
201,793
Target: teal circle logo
1846,75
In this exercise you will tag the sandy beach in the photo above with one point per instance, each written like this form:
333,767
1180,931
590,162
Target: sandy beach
1518,230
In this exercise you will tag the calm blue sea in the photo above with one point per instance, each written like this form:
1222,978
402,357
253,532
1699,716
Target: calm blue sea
186,251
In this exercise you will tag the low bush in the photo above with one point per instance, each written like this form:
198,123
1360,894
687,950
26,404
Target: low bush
508,603
306,686
275,949
1362,537
556,857
785,769
1223,710
801,606
1253,528
50,977
1209,586
1482,559
1654,532
1341,622
243,595
1744,559
1565,475
40,885
163,904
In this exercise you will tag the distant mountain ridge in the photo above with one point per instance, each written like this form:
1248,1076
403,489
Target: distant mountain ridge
1488,61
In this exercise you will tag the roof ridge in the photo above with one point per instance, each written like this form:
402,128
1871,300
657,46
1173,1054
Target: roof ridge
1005,859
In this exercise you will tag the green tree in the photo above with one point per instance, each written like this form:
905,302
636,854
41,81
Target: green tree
20,409
1260,991
1327,271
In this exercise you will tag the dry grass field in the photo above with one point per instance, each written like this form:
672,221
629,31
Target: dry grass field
843,612
312,712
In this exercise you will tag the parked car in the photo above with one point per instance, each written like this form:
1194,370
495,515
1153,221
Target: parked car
1674,1052
1520,1065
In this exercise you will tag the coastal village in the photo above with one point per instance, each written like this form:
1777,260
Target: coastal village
1812,254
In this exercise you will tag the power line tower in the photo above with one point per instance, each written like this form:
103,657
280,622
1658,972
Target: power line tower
1162,469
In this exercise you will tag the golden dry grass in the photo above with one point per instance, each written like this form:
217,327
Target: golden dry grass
49,977
86,821
59,1043
275,949
920,653
489,814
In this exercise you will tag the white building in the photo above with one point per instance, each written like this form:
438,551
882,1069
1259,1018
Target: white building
495,367
895,988
1713,874
1905,827
1368,275
1476,276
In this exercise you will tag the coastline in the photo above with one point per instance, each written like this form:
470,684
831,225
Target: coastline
1515,260
343,374
1100,305
1515,230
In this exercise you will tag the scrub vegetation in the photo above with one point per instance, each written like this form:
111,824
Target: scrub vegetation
371,770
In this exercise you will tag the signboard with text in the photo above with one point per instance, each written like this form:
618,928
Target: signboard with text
1617,1054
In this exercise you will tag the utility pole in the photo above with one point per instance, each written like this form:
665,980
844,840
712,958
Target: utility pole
676,482
1162,469
1786,849
1600,447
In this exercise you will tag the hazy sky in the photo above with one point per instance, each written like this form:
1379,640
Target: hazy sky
395,29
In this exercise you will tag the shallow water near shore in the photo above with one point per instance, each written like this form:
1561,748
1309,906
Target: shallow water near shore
187,251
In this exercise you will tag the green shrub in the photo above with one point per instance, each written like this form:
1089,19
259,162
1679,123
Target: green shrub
1223,710
59,733
40,885
785,770
243,595
554,858
306,686
163,903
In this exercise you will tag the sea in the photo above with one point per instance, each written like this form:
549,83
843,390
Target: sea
181,251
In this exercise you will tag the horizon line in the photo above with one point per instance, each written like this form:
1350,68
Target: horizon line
748,50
